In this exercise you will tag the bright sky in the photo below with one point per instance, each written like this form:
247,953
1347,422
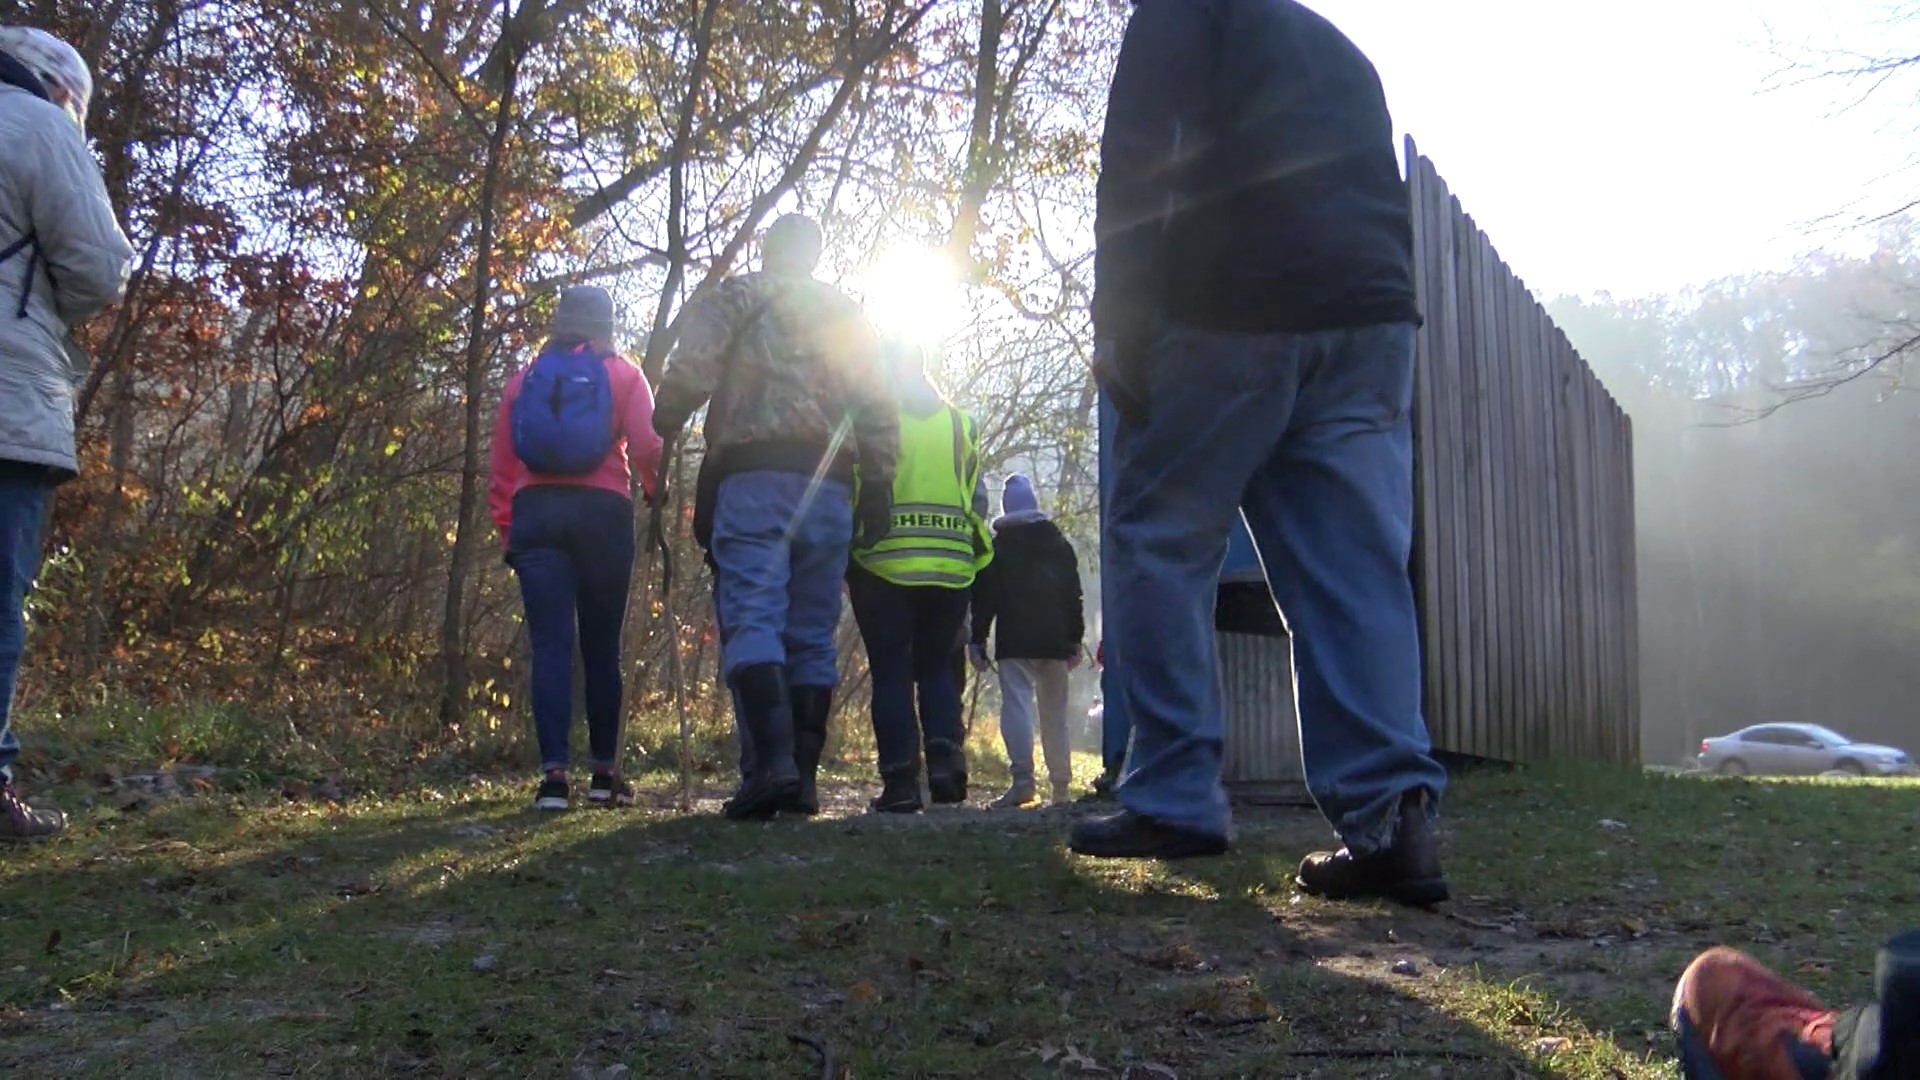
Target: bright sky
1634,146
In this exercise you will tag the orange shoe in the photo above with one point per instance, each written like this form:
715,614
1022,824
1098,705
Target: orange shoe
1738,1021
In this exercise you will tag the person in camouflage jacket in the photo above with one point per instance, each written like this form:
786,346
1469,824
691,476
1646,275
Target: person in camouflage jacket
789,370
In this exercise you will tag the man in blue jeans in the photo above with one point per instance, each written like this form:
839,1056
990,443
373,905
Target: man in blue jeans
1254,315
791,368
62,259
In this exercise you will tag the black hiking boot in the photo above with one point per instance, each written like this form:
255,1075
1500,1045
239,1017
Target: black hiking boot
733,800
1127,835
899,791
22,822
767,713
1407,873
946,772
1103,786
811,707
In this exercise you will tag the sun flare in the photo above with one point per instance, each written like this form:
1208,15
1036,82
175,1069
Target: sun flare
913,292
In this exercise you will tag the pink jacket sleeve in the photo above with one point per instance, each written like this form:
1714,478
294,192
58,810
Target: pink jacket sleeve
643,443
507,473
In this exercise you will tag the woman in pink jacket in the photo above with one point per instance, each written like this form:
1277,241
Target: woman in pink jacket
575,428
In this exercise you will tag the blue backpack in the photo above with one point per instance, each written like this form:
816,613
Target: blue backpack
563,418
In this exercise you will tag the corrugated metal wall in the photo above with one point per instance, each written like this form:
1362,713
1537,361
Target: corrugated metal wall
1263,735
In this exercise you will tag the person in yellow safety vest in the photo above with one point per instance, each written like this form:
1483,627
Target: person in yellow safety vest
910,589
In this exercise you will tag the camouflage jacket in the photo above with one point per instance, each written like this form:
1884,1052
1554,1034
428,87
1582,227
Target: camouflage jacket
792,369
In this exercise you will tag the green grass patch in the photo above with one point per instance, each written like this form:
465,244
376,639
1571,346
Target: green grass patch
449,932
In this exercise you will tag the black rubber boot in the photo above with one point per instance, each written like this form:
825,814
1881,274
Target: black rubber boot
811,707
768,715
746,782
899,791
946,772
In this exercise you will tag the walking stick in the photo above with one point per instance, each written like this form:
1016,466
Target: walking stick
661,541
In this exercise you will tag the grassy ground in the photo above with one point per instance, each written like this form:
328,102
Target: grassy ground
451,932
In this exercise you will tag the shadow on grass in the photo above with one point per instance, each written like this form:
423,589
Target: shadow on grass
448,941
406,938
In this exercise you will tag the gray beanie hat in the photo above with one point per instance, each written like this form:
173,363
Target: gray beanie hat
585,313
792,245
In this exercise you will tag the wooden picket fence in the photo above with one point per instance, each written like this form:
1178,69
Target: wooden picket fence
1524,549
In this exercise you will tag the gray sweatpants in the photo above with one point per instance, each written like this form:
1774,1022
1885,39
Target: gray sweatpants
1021,683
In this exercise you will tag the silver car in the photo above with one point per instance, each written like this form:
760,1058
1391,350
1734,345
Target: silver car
1800,750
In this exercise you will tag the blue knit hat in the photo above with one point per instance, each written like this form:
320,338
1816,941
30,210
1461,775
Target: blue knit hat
1018,496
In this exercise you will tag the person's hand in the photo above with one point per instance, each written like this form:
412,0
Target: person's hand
1079,657
977,655
1120,372
872,516
667,426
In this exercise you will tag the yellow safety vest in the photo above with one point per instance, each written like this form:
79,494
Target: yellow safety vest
936,538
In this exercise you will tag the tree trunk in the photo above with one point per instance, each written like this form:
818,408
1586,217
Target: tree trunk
658,339
978,181
453,659
105,544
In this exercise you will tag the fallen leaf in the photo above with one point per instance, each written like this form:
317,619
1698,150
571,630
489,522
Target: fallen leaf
863,992
1075,1059
1551,1046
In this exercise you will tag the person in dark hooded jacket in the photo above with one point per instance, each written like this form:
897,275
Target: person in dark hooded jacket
1031,594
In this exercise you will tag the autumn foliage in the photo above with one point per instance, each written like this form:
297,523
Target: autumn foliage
349,219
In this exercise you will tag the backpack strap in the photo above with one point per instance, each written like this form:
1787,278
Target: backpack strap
30,244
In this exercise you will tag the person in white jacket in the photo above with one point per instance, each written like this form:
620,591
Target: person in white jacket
63,258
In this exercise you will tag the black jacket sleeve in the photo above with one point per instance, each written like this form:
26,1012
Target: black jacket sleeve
1077,617
984,601
1155,111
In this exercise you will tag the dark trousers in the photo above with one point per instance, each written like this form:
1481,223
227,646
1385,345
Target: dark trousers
572,548
909,631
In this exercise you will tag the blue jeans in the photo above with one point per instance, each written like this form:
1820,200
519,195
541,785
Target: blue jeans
572,548
780,554
1116,731
1310,436
23,510
909,631
740,732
